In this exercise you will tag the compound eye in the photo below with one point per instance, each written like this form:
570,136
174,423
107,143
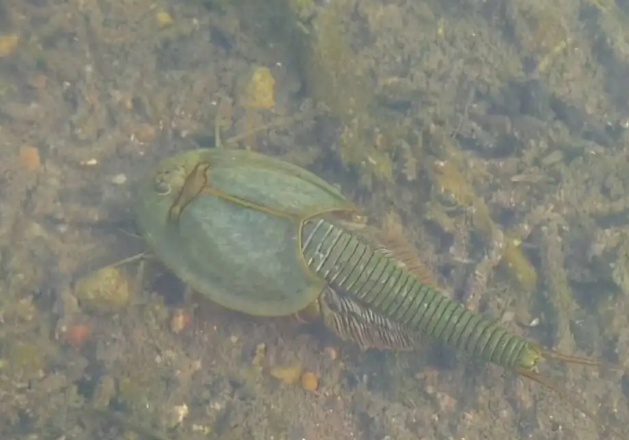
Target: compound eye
162,188
160,184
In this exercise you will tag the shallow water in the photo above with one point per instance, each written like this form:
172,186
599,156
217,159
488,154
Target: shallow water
494,132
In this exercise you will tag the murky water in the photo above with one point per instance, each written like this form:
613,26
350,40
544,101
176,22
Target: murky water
491,134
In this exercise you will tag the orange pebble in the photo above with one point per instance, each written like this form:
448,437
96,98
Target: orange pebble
179,320
309,381
30,157
8,43
76,335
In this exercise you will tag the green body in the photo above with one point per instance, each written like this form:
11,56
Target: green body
278,256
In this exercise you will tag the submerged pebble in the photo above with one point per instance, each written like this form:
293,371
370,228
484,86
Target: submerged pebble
104,291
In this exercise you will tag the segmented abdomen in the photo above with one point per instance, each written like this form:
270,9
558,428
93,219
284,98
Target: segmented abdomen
355,267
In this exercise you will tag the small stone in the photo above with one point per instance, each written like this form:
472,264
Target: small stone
8,43
164,18
76,335
89,162
30,157
310,381
259,89
180,320
119,179
104,291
